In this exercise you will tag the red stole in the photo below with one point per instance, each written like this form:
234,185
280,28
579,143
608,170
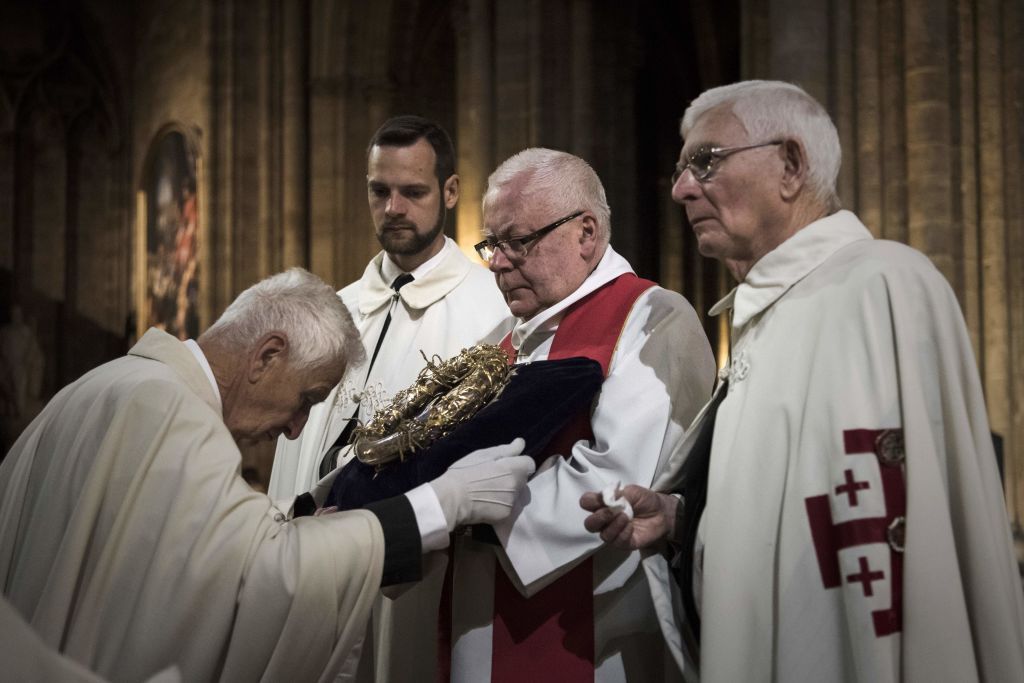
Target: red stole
551,635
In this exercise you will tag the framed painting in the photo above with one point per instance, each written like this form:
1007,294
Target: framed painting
168,237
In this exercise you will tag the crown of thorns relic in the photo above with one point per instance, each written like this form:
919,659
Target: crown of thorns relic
444,395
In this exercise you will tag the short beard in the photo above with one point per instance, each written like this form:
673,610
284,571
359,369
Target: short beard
414,243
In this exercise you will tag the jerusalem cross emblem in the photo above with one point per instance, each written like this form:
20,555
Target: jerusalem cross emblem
830,537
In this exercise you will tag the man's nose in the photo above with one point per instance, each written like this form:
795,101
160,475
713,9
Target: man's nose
686,187
499,262
295,425
396,205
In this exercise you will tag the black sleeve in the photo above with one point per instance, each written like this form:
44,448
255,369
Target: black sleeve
403,546
673,550
304,506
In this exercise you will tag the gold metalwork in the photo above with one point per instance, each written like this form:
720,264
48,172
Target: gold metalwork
444,395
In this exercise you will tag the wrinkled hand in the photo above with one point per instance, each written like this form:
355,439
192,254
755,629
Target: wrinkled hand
654,518
481,487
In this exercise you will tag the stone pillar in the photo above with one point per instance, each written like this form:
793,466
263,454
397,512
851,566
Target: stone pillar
931,221
892,216
992,189
260,169
868,105
1012,69
217,258
473,22
351,93
294,111
843,97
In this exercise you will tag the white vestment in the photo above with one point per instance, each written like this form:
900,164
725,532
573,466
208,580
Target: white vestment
852,450
454,306
660,373
129,542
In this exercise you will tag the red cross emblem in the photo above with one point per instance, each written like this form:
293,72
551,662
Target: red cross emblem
851,487
830,537
866,577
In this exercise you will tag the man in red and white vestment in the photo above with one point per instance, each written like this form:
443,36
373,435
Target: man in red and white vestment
854,527
544,599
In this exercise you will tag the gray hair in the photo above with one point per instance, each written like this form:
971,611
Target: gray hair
319,328
558,180
775,109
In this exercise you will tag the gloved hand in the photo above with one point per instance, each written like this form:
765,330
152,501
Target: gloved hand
481,487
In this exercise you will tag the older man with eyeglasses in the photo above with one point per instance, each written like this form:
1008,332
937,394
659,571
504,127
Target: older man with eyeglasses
539,598
837,512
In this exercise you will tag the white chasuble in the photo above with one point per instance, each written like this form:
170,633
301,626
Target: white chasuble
855,528
130,544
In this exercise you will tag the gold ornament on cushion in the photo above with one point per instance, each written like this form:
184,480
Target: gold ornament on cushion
444,395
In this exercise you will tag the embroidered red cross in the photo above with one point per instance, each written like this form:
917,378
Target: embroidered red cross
830,537
866,576
851,487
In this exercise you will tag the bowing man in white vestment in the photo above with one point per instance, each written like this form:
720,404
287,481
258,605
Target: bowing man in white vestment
838,514
419,296
130,544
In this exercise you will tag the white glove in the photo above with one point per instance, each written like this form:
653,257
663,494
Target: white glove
481,487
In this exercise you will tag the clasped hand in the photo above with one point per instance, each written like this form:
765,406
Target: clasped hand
653,521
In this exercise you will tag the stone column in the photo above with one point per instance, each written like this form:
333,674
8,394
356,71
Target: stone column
929,92
351,92
992,188
1012,41
473,21
294,208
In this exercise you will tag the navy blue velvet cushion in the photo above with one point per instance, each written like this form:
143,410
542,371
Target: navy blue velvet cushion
539,399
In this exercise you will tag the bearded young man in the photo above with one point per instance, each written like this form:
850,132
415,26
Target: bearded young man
419,296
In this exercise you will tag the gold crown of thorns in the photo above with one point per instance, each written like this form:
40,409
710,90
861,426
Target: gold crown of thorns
445,394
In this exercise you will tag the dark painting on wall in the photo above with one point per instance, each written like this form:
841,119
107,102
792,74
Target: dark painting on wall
169,262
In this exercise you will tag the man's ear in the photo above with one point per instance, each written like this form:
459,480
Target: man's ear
270,351
588,236
794,176
450,191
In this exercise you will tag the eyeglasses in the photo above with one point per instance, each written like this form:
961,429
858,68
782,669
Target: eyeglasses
515,247
702,163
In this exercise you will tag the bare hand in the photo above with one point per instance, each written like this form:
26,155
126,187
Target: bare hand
654,517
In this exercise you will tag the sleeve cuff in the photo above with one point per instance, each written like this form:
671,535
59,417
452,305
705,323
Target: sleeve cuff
402,547
304,506
430,517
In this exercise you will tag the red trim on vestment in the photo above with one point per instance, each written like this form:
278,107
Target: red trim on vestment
551,635
444,618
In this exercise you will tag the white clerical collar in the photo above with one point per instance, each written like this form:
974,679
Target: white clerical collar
790,262
611,266
389,270
201,359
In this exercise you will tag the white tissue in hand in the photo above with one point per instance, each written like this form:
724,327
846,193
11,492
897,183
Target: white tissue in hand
611,498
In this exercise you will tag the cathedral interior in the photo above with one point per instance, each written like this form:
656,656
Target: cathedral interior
158,157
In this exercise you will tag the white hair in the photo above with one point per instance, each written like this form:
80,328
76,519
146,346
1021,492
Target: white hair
319,328
771,110
558,180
